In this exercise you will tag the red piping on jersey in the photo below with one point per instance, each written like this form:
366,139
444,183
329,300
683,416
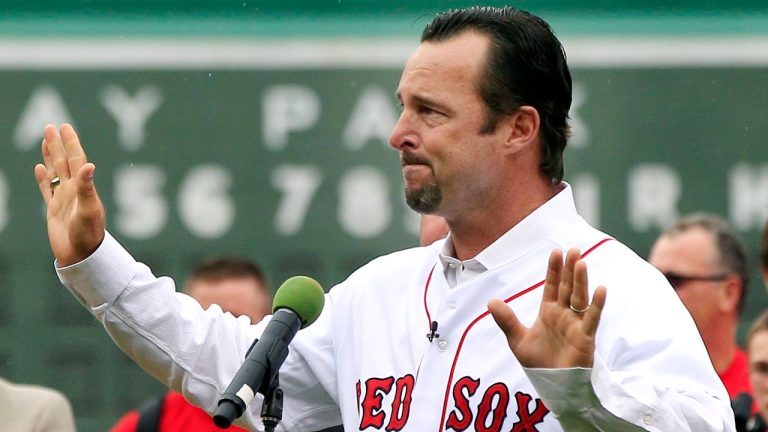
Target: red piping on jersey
483,315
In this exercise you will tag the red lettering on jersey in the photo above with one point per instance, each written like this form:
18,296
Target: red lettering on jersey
461,416
357,391
401,405
486,409
372,415
528,420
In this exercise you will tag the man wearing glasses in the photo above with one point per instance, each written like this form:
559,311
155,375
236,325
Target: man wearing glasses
707,266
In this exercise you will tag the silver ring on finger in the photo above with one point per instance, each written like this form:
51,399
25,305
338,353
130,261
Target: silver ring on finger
55,182
579,311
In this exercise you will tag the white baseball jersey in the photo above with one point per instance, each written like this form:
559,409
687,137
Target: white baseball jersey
368,360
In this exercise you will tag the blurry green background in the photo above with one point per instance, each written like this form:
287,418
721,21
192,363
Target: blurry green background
260,128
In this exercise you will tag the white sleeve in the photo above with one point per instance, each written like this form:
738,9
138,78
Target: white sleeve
598,400
194,351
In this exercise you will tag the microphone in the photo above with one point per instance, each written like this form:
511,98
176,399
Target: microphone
297,304
433,331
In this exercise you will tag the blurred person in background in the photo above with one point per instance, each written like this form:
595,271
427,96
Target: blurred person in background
232,284
706,264
31,408
431,229
757,351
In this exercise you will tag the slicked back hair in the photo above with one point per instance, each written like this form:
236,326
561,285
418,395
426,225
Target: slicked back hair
526,65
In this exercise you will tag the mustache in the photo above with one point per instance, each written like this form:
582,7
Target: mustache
411,159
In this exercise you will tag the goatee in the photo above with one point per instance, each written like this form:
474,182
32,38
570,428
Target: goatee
425,199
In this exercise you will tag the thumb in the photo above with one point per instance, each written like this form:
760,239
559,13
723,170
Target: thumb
506,320
88,233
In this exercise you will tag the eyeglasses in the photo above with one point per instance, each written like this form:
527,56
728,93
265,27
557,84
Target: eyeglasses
677,280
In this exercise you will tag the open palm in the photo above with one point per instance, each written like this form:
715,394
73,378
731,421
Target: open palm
563,335
75,215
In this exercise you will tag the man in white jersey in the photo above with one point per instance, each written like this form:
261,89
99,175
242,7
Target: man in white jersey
412,341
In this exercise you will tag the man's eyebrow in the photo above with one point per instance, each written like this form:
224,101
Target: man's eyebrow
422,100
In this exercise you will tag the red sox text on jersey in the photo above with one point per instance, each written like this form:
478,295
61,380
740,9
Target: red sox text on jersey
484,412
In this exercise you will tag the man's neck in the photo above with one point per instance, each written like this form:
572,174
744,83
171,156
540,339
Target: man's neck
721,346
474,232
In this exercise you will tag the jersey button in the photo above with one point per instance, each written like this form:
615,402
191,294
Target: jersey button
442,345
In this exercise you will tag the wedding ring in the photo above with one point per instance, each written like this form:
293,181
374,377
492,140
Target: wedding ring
579,311
55,182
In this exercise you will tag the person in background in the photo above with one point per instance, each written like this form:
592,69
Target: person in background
234,285
431,229
707,266
757,351
31,408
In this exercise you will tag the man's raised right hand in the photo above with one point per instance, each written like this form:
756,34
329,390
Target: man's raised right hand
75,215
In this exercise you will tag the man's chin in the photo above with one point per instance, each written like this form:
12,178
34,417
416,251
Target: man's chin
423,201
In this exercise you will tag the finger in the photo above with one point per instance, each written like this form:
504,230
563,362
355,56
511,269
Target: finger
592,316
579,294
41,176
47,160
87,198
554,271
507,320
566,281
58,154
75,154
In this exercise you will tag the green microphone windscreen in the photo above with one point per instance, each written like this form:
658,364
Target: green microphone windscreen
302,295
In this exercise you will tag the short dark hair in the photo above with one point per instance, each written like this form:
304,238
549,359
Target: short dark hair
526,66
732,255
227,267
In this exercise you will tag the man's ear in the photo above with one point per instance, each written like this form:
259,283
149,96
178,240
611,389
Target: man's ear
732,293
523,126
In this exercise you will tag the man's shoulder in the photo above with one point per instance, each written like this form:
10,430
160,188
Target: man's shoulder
34,403
604,253
37,392
589,240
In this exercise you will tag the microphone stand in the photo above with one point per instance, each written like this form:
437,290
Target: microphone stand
272,407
